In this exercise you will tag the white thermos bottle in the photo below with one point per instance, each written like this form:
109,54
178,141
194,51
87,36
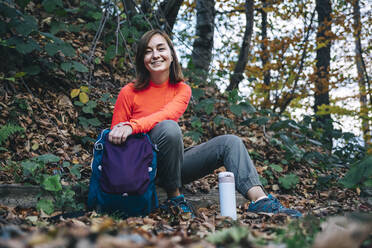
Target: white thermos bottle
226,186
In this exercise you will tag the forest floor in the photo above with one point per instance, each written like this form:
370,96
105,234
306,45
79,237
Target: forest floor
54,123
50,120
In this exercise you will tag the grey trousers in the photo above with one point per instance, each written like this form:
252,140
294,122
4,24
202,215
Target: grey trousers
177,166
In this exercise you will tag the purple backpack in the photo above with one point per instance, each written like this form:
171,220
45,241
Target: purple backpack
125,185
125,167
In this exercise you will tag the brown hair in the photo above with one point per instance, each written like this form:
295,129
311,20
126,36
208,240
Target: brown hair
143,75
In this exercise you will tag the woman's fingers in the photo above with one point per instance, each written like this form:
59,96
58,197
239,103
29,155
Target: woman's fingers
126,133
120,134
115,135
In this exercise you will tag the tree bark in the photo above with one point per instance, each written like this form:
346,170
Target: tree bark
362,77
237,76
265,55
323,57
146,7
167,14
203,45
129,8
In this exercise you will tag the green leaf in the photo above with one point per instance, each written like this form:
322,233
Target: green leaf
50,36
218,120
67,49
276,126
236,109
276,167
67,66
195,136
288,181
234,97
367,183
79,67
105,97
51,5
83,121
88,108
197,93
47,158
55,27
32,70
228,122
283,161
22,3
96,15
46,205
29,166
27,26
207,105
74,28
78,103
94,122
52,183
51,49
27,47
66,164
231,237
263,181
75,170
262,120
3,149
358,172
196,122
110,53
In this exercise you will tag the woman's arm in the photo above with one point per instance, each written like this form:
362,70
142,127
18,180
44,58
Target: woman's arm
123,106
173,110
120,129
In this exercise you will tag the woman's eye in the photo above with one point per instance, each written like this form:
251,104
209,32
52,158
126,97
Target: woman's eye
147,51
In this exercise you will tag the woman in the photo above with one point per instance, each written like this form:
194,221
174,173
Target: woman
154,103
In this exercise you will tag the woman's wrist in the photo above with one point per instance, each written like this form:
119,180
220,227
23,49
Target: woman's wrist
122,124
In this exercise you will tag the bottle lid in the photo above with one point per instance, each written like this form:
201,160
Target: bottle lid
226,177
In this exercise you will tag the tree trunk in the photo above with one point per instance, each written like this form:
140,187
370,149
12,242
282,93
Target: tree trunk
129,8
362,77
323,57
203,45
244,51
167,14
265,56
146,7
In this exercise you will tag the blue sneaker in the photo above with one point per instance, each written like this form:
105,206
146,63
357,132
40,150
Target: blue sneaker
271,205
177,205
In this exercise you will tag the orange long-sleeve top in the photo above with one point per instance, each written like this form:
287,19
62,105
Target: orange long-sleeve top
143,109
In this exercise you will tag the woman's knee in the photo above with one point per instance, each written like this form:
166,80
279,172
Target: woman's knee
170,129
232,140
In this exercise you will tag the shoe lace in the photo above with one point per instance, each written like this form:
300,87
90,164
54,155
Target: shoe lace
186,206
176,207
275,205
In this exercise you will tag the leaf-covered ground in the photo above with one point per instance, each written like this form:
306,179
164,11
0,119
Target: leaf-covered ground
53,124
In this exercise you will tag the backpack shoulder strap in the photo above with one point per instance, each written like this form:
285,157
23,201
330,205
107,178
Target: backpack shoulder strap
98,145
154,146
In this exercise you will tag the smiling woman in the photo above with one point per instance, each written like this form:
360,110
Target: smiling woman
155,46
153,104
158,59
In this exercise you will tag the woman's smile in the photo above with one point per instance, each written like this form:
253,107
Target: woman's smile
158,56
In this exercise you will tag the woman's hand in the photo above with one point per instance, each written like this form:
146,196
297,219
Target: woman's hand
120,133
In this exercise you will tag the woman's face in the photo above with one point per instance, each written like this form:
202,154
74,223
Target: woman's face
158,56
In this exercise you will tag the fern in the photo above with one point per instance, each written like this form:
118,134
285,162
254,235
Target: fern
8,130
